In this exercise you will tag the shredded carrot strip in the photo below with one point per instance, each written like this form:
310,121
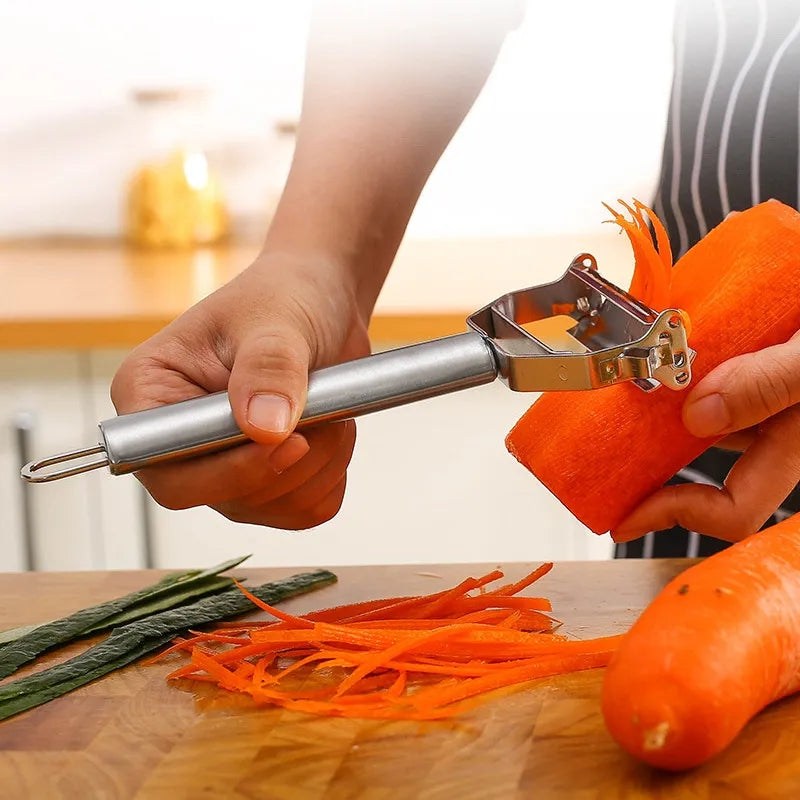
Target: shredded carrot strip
420,607
282,615
416,657
335,614
511,589
179,644
398,687
662,238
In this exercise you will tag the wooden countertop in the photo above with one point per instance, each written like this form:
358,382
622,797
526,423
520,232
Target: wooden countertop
95,295
75,294
131,736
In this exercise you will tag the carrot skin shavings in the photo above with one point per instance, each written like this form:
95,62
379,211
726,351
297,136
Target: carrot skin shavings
428,657
740,289
650,282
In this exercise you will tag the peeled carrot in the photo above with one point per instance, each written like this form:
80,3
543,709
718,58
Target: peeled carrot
717,645
426,657
602,452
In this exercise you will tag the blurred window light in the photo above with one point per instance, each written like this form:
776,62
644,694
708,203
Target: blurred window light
195,168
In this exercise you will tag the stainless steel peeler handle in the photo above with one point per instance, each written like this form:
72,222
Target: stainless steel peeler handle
203,425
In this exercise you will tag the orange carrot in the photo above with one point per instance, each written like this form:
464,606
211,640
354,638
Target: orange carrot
425,657
602,452
718,644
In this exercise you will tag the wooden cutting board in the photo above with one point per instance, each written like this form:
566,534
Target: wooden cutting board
130,735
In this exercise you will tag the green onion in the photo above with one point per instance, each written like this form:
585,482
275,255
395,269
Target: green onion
166,593
136,639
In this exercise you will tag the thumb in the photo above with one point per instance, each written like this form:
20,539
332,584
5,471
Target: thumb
268,382
745,391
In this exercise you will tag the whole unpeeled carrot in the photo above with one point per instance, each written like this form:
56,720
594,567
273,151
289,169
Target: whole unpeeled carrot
717,645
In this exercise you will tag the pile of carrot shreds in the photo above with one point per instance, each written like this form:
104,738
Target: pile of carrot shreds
418,657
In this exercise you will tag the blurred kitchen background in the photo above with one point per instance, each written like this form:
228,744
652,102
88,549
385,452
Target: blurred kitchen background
94,94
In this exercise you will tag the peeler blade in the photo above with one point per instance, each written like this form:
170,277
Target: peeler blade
613,337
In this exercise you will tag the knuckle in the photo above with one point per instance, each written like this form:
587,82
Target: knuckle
316,329
319,320
142,382
673,498
773,436
332,503
321,509
739,528
751,522
773,385
124,382
307,498
242,511
336,440
276,351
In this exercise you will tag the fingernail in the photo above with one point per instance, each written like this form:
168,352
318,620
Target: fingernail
269,412
288,453
708,416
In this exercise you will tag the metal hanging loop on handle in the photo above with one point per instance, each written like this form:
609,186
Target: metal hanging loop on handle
38,472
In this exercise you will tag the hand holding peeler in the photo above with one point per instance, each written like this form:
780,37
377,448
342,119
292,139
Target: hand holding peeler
576,333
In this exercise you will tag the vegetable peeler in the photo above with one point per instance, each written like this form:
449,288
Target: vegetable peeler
578,332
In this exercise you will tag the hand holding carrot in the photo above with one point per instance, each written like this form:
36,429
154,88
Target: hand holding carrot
754,400
607,454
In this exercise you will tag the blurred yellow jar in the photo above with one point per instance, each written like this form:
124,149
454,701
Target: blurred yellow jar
176,203
173,199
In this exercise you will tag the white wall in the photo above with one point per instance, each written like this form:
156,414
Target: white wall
573,114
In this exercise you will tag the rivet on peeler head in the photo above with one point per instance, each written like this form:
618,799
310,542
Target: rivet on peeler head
611,369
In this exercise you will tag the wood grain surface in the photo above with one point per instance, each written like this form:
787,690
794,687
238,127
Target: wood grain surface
132,736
